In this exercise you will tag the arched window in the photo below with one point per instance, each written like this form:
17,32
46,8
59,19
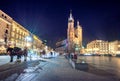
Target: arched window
5,17
7,26
2,15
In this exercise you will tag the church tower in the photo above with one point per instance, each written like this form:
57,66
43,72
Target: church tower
70,33
79,34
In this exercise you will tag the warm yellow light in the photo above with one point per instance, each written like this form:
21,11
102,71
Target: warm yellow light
118,45
35,37
28,44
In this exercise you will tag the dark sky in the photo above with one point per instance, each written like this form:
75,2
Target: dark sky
48,19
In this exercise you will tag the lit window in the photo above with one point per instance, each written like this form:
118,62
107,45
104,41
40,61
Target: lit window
20,32
13,34
17,30
13,29
16,36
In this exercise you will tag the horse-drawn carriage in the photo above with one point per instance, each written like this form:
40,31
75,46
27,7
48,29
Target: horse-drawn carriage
16,51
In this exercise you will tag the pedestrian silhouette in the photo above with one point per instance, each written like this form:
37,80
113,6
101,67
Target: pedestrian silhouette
10,52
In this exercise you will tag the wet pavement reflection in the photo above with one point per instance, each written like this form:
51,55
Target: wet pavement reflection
103,65
31,72
15,70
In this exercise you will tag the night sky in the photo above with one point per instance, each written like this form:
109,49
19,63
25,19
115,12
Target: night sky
49,19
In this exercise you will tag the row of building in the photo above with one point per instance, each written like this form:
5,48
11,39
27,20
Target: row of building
103,47
73,43
14,34
98,47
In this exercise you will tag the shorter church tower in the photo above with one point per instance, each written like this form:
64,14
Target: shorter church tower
79,34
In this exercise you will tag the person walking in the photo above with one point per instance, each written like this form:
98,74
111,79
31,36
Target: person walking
75,57
51,54
25,53
10,52
43,53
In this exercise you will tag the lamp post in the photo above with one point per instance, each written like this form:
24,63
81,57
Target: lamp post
28,40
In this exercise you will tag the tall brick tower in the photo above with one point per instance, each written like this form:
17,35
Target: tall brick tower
70,33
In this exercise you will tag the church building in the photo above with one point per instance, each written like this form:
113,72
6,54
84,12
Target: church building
74,35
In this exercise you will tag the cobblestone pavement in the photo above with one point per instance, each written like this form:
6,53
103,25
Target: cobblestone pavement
59,69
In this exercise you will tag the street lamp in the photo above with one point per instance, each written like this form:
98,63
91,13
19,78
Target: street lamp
28,39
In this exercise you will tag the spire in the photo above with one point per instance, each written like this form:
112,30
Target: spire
70,14
78,23
71,17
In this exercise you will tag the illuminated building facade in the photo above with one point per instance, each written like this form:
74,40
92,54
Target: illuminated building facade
37,44
98,47
17,35
61,46
74,36
114,48
5,27
12,33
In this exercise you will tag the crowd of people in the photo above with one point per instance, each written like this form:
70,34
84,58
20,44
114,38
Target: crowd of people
72,56
19,52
